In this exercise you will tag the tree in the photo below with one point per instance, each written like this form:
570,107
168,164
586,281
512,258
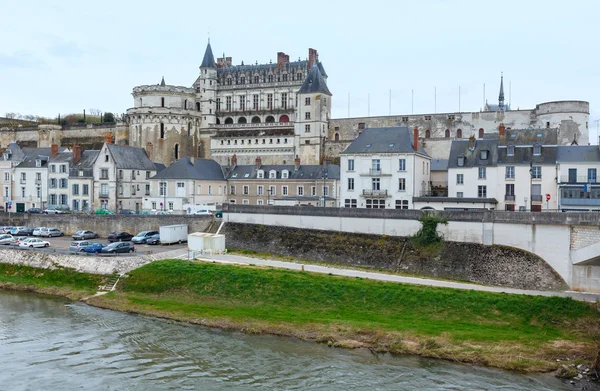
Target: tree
109,117
96,112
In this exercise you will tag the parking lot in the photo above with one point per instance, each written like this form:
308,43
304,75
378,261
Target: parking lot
62,244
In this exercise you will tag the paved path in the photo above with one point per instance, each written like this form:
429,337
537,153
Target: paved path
239,259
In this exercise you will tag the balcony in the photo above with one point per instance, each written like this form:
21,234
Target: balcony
103,195
73,173
537,197
509,197
375,193
375,172
577,179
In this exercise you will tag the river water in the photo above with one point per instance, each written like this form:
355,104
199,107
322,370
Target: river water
53,344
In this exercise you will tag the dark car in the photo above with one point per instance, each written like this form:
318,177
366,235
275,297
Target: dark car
113,248
219,214
119,237
143,236
83,235
33,210
94,248
154,239
127,212
24,232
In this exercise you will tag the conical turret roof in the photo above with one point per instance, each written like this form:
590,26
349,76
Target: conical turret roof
314,82
209,59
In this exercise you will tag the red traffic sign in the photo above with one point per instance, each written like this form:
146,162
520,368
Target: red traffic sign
548,197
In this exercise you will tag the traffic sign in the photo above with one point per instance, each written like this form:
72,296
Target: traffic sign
9,204
548,197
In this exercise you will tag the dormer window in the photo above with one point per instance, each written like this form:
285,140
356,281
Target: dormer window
260,174
461,161
285,174
537,150
6,156
272,174
510,150
483,154
38,163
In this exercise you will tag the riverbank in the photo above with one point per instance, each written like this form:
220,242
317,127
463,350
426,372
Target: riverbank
498,330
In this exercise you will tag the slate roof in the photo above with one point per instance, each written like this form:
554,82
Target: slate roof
159,166
32,154
304,172
258,67
314,82
493,107
130,157
201,169
209,60
88,158
62,157
439,164
531,136
579,153
321,69
390,139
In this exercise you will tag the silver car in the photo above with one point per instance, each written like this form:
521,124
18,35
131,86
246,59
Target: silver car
83,235
79,246
7,239
50,232
39,230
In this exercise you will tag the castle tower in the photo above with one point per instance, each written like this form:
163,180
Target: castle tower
206,100
312,116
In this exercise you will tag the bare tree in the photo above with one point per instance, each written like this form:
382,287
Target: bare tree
10,115
95,111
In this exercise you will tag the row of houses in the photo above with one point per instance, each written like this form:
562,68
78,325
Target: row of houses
513,170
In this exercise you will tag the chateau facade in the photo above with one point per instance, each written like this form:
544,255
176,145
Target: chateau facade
276,111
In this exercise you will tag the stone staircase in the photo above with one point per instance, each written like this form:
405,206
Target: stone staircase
111,284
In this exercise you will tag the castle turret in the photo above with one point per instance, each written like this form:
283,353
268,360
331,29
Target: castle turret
206,89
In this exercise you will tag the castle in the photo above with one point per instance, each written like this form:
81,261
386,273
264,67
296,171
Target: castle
276,111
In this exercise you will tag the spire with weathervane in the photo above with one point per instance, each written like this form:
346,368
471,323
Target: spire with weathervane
209,60
501,96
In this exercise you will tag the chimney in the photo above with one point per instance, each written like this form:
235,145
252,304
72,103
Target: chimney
416,139
313,57
149,150
54,150
297,163
501,130
193,160
108,138
258,162
325,161
234,160
76,153
472,142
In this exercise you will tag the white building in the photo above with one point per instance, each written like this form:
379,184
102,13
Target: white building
58,178
577,169
30,179
81,179
384,168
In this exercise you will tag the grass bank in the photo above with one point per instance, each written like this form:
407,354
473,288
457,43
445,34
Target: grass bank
506,331
59,282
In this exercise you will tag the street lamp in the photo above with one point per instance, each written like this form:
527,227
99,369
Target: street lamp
325,174
531,185
269,190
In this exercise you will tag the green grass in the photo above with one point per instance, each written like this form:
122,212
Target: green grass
43,279
272,295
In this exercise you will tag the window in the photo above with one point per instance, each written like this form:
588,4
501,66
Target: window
361,126
447,133
482,172
245,190
52,169
300,190
147,192
460,179
401,184
350,183
52,199
284,190
23,177
259,190
23,192
298,76
104,190
307,101
270,78
242,80
537,150
133,190
510,150
162,102
242,103
307,128
375,166
285,174
510,172
120,174
272,174
428,133
85,190
401,204
75,189
269,101
313,191
6,192
591,175
171,206
350,164
162,189
63,183
349,203
228,103
153,205
64,200
402,165
375,204
272,190
53,183
162,130
461,161
209,189
199,190
63,168
260,174
284,98
245,202
459,194
483,154
255,101
218,104
104,173
147,174
232,189
510,192
307,115
325,191
481,132
459,133
482,191
106,158
375,183
260,202
536,172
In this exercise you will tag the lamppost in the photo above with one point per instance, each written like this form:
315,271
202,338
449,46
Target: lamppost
531,185
269,190
325,174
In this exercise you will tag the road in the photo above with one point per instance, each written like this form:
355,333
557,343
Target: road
239,259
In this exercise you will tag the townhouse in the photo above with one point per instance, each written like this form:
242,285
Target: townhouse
577,169
81,179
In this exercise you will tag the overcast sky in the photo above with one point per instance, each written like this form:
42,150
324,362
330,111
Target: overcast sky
78,55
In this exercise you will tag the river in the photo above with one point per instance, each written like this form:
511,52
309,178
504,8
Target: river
52,344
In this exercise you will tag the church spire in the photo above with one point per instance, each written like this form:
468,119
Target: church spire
162,82
501,96
209,59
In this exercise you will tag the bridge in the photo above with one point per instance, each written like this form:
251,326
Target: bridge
568,242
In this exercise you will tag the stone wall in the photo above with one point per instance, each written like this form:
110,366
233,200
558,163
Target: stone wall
490,265
584,236
105,224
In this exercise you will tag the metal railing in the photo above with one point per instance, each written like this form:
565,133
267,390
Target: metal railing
374,193
256,125
509,197
578,179
537,197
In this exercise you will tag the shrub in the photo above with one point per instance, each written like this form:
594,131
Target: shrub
428,234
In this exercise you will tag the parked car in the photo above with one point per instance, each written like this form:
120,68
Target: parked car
33,242
127,212
103,211
6,229
143,236
161,212
38,231
78,246
154,239
50,232
94,248
219,214
25,232
51,211
83,235
202,212
16,230
125,247
33,210
119,236
7,239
